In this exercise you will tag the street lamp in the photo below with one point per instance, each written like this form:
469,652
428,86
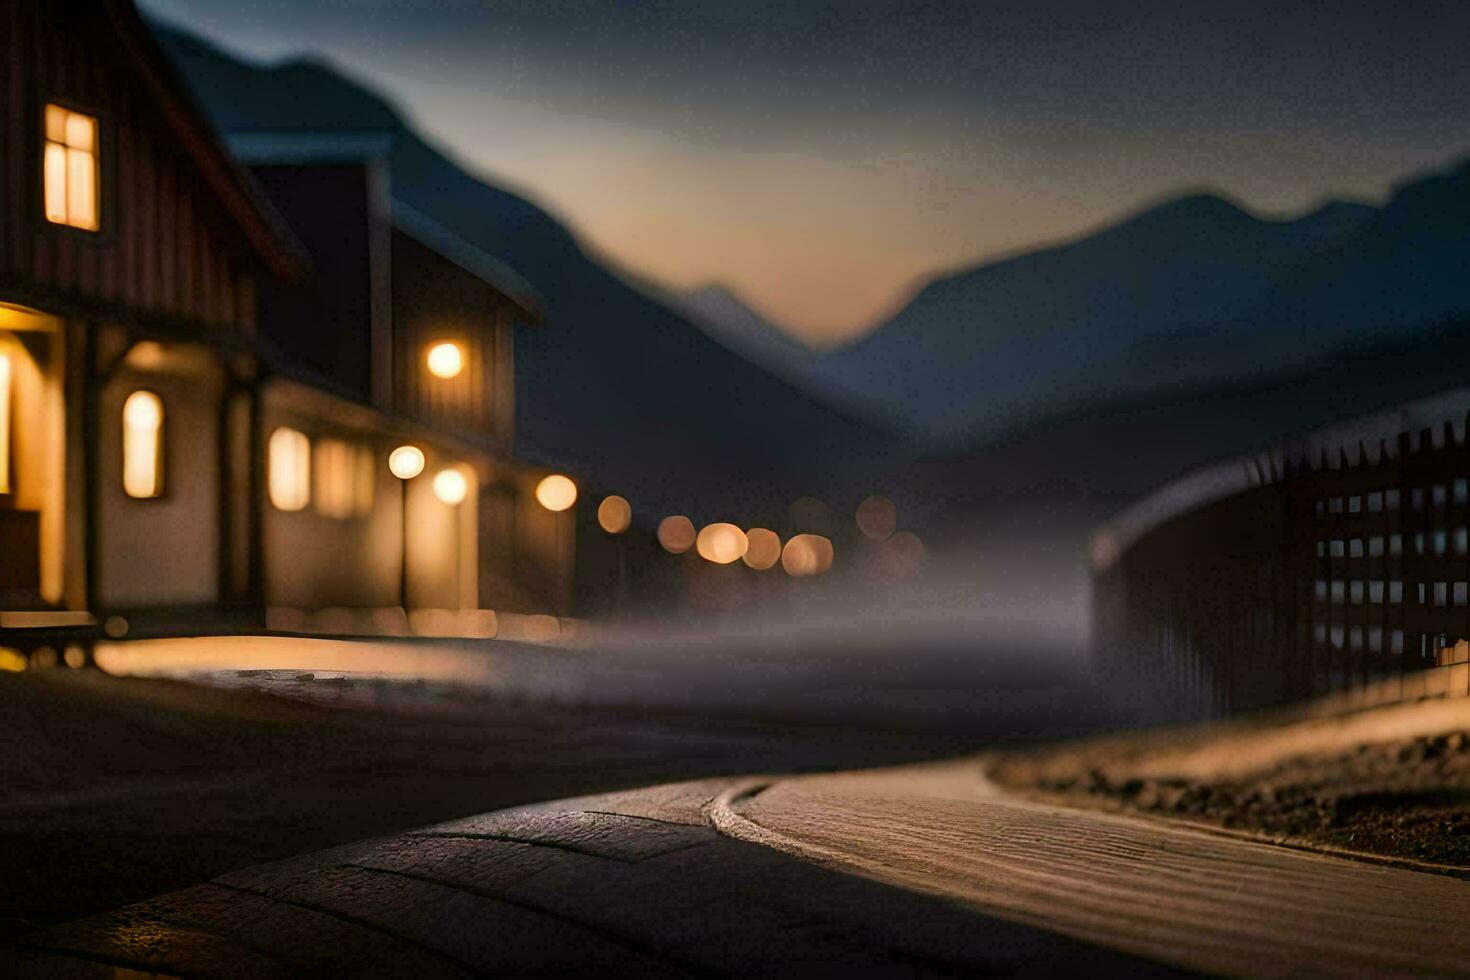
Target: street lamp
556,493
615,515
405,462
451,487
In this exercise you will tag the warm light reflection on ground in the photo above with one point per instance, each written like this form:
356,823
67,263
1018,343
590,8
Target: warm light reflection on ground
307,654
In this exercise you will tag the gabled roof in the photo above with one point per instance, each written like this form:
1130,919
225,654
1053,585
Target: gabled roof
474,260
266,233
305,147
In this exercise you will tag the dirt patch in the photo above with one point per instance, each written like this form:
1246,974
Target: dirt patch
1405,798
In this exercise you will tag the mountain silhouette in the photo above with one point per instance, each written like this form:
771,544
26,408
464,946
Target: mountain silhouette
728,318
981,352
616,386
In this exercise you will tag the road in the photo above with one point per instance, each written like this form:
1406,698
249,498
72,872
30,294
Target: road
633,883
919,869
117,789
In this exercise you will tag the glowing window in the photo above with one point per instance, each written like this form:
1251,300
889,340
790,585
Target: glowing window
143,445
290,469
71,168
5,368
343,476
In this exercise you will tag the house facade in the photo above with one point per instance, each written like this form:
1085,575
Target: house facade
131,260
200,391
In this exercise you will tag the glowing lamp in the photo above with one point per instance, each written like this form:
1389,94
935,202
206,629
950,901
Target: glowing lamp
762,548
406,462
445,360
556,493
614,514
676,534
450,486
721,543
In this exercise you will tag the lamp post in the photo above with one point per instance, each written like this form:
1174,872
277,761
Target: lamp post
451,487
557,493
405,462
615,515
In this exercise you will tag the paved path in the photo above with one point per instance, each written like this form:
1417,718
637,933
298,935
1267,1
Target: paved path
630,883
1201,900
923,869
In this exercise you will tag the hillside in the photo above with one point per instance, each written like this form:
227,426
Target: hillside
616,386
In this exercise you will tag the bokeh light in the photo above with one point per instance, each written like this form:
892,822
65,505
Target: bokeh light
676,534
762,548
556,492
406,462
902,554
450,486
806,555
721,543
445,360
877,518
615,514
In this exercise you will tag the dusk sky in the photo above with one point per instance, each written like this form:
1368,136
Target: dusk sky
822,157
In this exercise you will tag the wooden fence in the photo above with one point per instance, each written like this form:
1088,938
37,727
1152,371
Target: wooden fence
1330,570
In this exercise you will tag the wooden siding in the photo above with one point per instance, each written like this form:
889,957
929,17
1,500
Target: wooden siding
168,248
435,300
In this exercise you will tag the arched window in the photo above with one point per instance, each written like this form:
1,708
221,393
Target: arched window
290,469
143,445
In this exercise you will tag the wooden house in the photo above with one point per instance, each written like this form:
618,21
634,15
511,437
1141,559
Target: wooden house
131,255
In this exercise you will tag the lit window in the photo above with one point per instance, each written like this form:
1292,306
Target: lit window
71,168
343,474
290,469
143,445
5,368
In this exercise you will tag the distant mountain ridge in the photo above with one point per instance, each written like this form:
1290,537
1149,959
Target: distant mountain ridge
1195,291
